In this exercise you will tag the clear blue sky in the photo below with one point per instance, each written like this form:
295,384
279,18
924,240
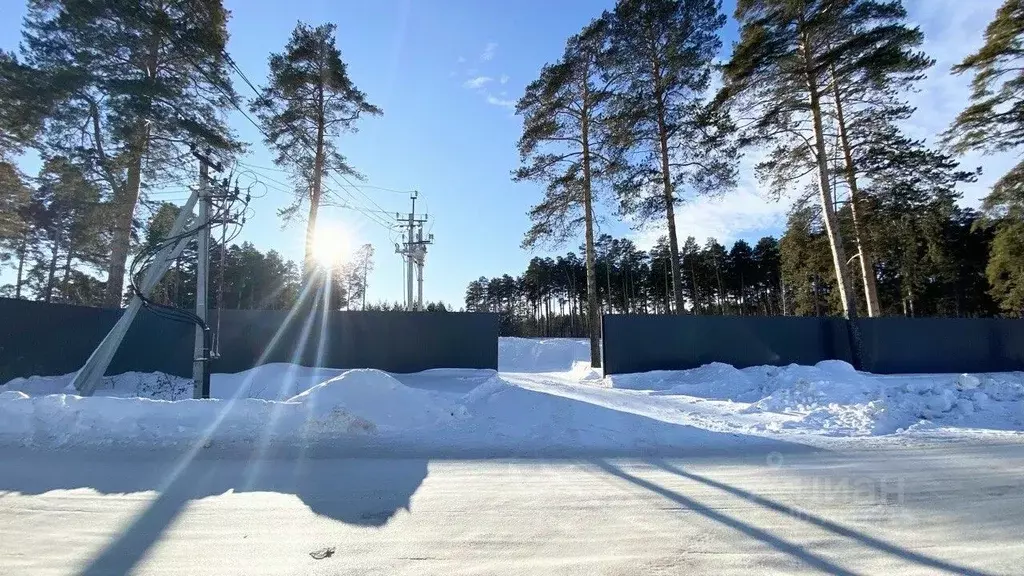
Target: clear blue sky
446,72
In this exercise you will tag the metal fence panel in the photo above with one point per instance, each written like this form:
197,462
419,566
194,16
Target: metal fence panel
40,338
889,345
391,341
910,345
643,343
47,339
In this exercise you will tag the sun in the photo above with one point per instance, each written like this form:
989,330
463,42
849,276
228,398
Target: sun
331,245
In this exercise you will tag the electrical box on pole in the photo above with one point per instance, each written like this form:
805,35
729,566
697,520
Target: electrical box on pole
201,357
413,250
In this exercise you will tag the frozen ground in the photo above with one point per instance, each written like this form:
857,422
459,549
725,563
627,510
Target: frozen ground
545,400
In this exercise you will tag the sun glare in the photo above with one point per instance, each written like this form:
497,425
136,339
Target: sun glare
331,245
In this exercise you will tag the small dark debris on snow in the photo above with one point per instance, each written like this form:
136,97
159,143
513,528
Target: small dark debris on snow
322,553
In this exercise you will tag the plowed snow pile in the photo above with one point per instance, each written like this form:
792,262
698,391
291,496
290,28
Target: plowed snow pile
831,398
547,399
375,397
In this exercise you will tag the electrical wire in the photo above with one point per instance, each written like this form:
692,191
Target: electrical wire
225,215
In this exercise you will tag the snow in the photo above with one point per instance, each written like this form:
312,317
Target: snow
541,355
374,396
546,398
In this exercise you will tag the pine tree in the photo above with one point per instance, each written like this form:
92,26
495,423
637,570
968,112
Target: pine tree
135,82
14,196
18,211
309,102
913,190
23,105
362,264
564,141
71,222
741,274
779,77
476,295
664,50
691,267
805,265
865,89
994,119
769,276
1005,268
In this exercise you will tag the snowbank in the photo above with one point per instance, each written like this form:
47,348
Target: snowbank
548,399
541,355
357,403
375,397
501,414
831,398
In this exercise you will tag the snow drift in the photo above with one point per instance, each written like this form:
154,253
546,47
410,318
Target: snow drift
547,400
832,398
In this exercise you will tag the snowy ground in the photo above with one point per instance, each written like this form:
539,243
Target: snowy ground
947,509
544,400
292,470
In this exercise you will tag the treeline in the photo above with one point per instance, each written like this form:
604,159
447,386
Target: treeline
242,277
930,264
56,249
629,112
549,298
113,96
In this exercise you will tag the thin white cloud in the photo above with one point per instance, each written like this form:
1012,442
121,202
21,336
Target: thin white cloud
477,82
740,214
489,51
503,79
503,102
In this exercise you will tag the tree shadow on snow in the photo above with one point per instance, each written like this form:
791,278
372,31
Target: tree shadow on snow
362,492
783,545
819,522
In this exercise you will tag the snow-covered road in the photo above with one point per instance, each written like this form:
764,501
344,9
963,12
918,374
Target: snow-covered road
949,508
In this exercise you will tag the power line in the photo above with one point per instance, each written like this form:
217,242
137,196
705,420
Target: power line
350,183
232,99
234,65
260,128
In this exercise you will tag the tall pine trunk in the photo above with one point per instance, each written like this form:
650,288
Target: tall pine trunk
22,252
51,273
593,309
670,211
668,289
121,230
65,282
124,206
828,205
315,186
867,261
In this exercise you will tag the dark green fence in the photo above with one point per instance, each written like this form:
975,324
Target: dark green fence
46,339
888,345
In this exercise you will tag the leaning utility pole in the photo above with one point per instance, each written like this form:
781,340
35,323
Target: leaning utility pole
90,376
200,373
410,251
